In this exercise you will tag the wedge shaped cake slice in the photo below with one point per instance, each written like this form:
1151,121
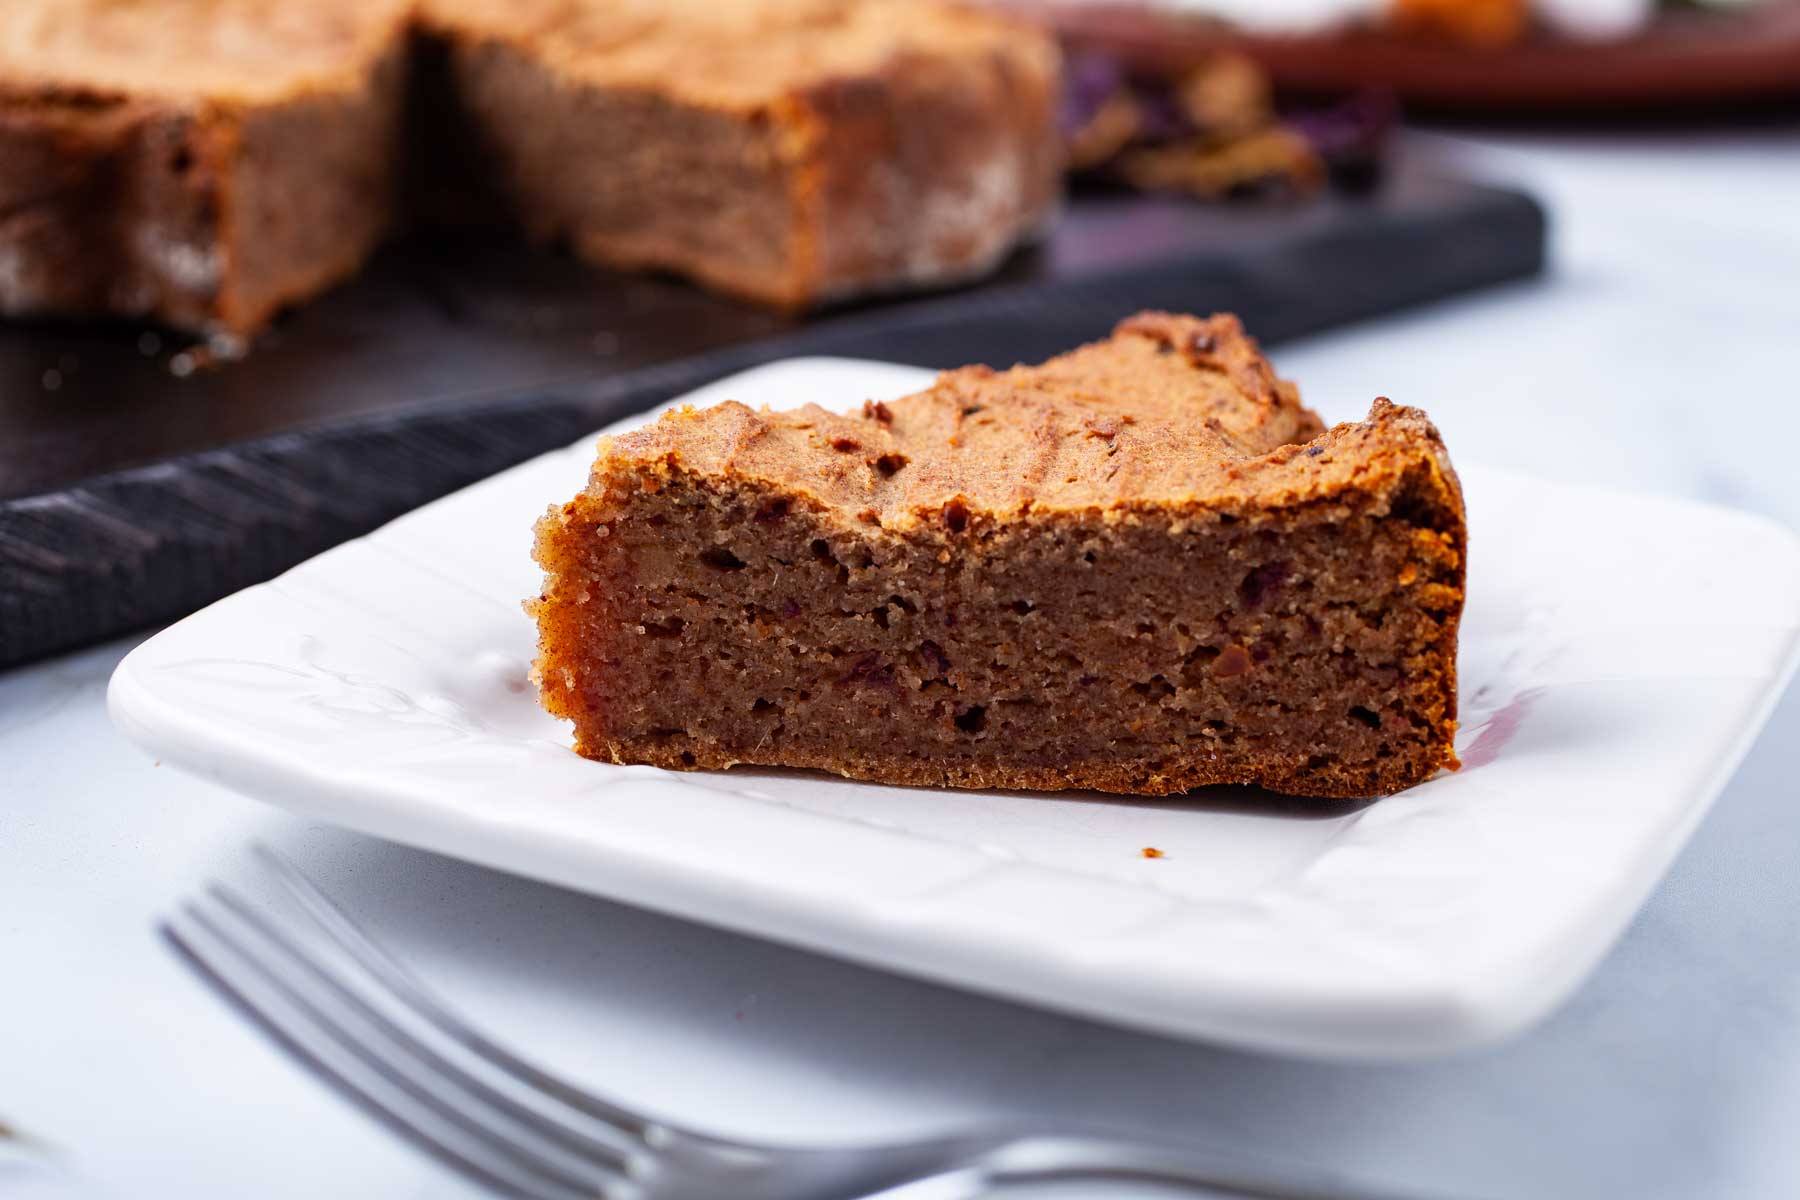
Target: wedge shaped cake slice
1140,567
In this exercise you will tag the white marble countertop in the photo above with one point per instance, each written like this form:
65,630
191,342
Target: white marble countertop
1659,353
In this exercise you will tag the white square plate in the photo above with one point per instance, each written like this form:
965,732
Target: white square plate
1619,655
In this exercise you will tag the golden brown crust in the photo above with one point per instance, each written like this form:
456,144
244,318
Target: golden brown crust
738,57
1169,410
1139,567
219,53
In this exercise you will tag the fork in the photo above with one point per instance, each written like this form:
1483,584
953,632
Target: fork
366,1025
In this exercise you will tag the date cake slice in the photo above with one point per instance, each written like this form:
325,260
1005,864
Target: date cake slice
199,162
1140,567
787,151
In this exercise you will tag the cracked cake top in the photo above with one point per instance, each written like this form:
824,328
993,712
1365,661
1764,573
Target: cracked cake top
1169,411
744,53
198,50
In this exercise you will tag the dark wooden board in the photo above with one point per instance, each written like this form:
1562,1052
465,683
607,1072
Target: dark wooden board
130,495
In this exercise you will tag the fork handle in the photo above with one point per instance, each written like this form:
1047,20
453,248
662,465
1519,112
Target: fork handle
1043,1159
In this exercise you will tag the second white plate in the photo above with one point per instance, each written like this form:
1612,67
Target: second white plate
1612,677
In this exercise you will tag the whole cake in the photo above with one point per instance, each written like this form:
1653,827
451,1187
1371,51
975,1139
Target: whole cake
1140,567
204,162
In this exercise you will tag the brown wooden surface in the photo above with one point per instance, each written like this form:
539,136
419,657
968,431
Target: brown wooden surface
1684,58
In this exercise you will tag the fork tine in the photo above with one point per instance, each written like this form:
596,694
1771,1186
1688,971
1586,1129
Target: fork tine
406,987
577,1144
218,977
548,1179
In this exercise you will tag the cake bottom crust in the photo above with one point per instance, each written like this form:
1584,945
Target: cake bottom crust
1124,778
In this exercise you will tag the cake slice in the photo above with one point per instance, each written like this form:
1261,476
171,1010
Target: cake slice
786,151
1140,567
199,162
